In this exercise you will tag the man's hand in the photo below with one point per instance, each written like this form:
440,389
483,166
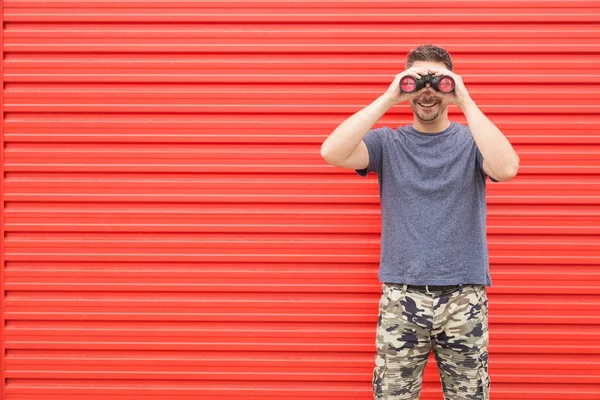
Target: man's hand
395,94
460,95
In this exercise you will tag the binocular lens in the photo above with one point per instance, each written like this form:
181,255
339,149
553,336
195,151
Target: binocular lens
446,84
408,84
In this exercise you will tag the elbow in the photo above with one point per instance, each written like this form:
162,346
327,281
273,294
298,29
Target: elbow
324,152
327,155
509,173
513,170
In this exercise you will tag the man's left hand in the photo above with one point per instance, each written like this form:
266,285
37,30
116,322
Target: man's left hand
460,95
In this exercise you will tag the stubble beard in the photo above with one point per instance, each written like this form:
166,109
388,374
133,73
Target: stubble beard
424,116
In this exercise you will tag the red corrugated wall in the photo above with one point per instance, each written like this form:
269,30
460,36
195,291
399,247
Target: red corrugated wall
171,231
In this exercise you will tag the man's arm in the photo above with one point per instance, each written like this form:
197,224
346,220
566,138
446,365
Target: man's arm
343,147
500,159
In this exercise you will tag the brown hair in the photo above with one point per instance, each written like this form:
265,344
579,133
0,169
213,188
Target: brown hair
429,52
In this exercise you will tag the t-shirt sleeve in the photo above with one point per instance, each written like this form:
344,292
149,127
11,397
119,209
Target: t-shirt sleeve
480,164
374,140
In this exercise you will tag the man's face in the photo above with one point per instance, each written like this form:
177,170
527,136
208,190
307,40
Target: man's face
429,104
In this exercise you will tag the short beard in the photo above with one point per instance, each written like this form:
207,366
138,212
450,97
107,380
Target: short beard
425,118
428,119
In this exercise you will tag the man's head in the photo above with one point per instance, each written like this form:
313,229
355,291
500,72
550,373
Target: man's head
430,104
430,53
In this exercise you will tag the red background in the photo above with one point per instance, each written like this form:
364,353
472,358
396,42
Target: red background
171,231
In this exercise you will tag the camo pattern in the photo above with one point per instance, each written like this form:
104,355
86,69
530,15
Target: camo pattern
454,324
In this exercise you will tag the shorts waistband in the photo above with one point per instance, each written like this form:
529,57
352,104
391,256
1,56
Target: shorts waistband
434,288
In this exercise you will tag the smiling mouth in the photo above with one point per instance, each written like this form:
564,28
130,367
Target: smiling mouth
427,105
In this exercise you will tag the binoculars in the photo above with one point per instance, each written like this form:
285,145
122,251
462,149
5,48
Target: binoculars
444,83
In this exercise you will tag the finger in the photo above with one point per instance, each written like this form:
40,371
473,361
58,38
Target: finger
439,72
413,74
418,70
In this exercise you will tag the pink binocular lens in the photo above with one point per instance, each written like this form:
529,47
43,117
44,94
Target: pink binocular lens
408,84
446,84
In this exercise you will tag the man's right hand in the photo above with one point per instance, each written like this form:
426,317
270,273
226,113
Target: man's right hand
395,94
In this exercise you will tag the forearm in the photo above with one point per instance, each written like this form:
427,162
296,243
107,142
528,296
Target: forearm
345,138
497,151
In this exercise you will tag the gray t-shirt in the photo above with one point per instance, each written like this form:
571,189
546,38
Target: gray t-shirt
433,207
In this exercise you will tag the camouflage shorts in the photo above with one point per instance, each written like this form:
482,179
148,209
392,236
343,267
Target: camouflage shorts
412,323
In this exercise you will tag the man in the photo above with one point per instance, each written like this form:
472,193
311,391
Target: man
434,264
